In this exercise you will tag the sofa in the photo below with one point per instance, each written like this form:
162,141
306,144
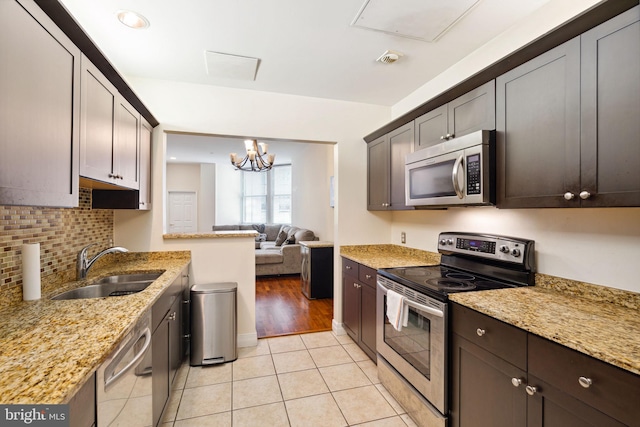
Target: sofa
277,247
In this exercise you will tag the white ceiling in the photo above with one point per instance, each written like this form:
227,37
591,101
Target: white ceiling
304,47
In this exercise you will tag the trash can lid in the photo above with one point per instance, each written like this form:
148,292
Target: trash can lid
207,288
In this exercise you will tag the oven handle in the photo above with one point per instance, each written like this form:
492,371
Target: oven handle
454,176
426,309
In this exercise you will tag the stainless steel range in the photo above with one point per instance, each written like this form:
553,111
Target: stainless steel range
417,354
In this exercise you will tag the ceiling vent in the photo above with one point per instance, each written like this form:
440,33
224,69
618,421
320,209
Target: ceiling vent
425,20
226,66
389,57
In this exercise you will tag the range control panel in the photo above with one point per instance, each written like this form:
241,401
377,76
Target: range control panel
499,248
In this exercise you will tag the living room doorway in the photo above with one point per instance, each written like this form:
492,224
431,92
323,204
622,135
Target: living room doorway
282,309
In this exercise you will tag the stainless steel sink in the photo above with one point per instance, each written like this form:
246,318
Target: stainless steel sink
111,286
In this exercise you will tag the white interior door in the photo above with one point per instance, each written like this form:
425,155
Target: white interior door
183,215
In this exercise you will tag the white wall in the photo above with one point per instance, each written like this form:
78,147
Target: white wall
228,196
200,179
223,111
207,199
598,246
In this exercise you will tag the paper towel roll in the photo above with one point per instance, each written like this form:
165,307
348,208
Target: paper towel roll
30,271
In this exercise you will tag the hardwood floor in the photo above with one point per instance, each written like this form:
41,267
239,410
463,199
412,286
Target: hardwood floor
282,309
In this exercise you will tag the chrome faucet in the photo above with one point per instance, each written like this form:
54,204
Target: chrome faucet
85,264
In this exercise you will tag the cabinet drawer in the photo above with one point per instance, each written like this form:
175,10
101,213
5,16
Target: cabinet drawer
505,341
367,275
349,268
613,391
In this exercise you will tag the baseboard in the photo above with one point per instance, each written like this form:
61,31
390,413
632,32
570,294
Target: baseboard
248,340
337,328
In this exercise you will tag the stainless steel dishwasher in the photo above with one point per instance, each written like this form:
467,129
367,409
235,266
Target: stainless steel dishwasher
123,381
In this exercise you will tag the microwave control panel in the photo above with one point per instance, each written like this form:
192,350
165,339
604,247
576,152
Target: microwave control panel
474,174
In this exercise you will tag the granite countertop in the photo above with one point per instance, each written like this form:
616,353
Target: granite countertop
595,320
389,256
599,321
212,234
316,243
48,349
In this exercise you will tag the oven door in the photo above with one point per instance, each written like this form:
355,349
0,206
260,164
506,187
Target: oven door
419,351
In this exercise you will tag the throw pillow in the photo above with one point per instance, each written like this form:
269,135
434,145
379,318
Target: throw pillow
261,237
259,227
282,236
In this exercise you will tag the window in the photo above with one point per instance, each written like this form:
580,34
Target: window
266,197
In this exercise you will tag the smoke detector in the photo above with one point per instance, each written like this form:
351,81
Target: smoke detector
389,57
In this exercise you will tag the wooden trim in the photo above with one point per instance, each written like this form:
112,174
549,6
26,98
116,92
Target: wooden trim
63,19
572,28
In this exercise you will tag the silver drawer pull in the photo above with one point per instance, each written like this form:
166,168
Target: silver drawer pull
368,276
531,390
480,332
585,382
348,267
517,382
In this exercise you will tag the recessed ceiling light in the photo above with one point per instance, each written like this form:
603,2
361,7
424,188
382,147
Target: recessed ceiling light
132,19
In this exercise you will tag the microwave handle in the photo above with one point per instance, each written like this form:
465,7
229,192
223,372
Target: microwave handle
454,176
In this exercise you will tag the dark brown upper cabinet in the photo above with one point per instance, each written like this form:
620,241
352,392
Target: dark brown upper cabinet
475,110
385,169
40,109
567,122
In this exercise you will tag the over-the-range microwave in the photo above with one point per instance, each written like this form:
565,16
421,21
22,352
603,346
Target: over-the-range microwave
457,172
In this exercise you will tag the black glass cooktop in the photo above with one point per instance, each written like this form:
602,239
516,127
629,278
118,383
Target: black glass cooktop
440,281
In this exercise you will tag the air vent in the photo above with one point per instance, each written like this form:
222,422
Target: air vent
389,57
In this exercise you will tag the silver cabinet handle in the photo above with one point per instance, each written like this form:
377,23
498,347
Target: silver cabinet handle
517,382
172,316
449,136
347,267
569,195
480,332
585,382
531,390
442,138
584,195
368,276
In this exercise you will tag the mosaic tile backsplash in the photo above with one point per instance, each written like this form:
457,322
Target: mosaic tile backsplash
61,232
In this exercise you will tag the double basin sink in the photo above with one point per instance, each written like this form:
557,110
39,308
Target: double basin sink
111,286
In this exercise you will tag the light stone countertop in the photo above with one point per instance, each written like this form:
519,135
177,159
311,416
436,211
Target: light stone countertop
48,349
212,235
599,321
316,243
389,256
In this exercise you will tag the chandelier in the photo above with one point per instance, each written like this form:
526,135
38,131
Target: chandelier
254,160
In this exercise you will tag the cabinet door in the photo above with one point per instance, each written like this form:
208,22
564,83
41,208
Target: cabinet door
351,307
97,126
401,144
431,128
126,149
39,109
538,130
175,338
145,165
483,394
610,76
378,174
160,367
368,319
550,407
473,111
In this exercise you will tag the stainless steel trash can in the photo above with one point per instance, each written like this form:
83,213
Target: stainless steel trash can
213,323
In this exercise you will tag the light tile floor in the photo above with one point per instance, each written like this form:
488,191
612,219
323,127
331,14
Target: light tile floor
308,380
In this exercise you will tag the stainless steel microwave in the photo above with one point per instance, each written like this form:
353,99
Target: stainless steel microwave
458,172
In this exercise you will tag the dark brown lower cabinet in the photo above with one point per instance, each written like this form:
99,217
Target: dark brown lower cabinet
359,305
491,385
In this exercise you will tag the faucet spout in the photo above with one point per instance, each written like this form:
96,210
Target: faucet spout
84,264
